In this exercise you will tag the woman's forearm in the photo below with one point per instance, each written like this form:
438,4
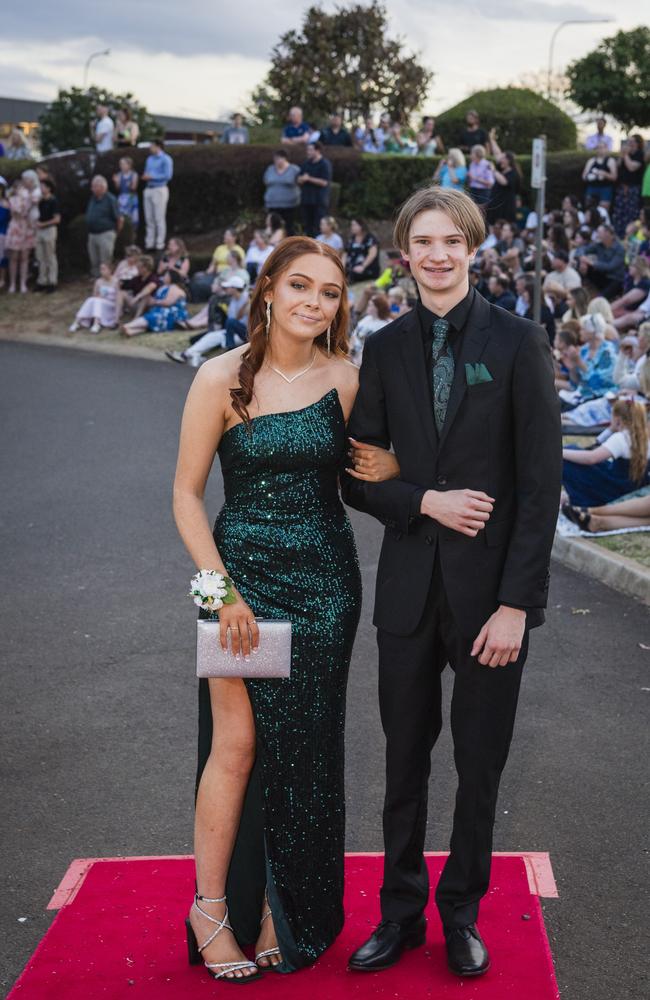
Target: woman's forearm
192,523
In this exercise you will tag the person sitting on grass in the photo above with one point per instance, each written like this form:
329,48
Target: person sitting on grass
175,258
213,315
632,513
376,316
619,463
568,335
201,281
135,293
329,234
167,311
258,250
361,253
234,332
275,228
99,309
397,302
632,358
591,367
127,268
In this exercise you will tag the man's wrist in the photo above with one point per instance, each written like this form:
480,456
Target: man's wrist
428,503
513,609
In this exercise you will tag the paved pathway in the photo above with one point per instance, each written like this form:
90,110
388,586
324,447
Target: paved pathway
98,699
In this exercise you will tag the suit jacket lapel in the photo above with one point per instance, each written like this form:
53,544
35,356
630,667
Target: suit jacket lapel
413,355
475,337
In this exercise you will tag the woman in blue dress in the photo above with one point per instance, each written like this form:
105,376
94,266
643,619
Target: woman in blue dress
617,466
451,172
167,311
270,811
126,185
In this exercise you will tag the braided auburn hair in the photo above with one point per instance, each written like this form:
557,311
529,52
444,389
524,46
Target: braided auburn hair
253,357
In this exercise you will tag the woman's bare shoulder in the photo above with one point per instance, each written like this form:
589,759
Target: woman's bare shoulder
345,372
223,369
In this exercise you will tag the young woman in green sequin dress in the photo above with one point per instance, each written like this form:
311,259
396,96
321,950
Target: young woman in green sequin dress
270,810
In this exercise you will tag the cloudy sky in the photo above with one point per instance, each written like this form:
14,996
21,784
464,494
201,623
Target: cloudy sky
202,59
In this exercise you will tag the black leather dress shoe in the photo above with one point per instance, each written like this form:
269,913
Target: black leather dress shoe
384,948
466,953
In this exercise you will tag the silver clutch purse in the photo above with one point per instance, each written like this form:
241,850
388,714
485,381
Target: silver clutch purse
273,658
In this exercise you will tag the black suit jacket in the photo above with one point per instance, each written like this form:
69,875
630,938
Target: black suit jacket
502,437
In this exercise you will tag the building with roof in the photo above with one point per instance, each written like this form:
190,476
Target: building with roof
26,113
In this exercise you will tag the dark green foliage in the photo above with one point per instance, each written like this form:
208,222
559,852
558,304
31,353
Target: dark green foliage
518,114
343,60
614,79
65,124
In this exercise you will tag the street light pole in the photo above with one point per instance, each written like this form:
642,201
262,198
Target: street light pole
94,55
563,24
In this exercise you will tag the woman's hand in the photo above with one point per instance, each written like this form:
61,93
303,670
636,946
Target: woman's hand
371,463
238,620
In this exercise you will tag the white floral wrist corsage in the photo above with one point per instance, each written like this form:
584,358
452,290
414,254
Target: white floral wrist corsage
210,590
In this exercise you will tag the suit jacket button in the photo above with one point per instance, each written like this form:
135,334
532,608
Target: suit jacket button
429,540
441,481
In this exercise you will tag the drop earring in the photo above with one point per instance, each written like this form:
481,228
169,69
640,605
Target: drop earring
329,339
268,320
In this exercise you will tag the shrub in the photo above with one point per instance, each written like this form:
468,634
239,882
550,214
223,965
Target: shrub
518,114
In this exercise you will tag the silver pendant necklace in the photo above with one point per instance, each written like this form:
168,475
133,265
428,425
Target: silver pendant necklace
298,375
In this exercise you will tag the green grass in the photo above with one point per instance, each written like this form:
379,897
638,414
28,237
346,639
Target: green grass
635,546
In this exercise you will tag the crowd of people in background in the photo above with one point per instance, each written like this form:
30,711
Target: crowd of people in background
595,301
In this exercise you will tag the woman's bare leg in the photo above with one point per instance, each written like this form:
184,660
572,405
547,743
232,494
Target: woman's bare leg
200,320
24,269
13,269
218,810
637,508
629,320
134,327
610,522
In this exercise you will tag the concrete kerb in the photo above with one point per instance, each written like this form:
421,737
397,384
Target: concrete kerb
610,568
125,349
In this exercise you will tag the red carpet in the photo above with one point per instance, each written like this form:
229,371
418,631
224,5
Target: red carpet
119,934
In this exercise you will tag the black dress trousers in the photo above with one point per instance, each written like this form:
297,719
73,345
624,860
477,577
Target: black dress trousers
483,708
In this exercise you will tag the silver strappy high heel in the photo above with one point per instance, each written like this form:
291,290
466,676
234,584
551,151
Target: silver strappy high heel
194,951
269,952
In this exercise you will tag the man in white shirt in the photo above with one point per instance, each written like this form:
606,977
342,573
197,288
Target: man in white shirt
563,278
592,141
103,130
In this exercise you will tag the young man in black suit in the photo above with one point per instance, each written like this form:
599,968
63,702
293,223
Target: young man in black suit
463,391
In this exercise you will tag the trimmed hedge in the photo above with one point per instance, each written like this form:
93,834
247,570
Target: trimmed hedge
214,185
518,114
384,182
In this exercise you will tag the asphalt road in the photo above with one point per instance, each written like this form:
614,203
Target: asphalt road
99,704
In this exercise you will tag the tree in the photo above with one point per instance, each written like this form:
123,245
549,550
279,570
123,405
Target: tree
614,79
343,61
65,123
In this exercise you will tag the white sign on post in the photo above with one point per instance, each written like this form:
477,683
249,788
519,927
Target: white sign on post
538,170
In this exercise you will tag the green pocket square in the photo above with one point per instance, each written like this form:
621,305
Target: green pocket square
475,374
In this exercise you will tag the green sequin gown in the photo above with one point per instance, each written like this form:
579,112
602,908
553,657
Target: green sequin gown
286,541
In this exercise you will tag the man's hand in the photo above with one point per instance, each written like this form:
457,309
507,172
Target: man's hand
499,641
466,511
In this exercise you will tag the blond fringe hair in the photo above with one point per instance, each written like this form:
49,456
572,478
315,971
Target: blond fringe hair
460,208
634,419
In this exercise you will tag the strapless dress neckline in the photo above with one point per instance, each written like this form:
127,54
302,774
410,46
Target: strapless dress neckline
281,413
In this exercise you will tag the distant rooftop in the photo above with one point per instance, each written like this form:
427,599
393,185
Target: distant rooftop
17,109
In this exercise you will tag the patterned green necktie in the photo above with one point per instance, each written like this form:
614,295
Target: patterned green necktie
443,371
